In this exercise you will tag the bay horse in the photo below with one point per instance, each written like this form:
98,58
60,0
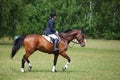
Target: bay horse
35,42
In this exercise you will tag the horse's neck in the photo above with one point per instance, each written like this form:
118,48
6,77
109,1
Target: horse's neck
68,38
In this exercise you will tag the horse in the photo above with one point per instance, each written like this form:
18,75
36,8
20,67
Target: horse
35,42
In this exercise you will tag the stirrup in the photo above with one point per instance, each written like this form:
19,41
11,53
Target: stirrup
56,49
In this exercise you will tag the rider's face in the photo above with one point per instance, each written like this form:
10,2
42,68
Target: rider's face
54,17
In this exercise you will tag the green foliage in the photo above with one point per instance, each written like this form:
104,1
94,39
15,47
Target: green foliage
111,35
99,19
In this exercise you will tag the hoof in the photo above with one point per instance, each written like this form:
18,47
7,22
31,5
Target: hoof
63,69
29,68
22,70
54,70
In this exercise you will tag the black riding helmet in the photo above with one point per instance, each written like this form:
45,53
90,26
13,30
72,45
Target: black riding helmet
52,15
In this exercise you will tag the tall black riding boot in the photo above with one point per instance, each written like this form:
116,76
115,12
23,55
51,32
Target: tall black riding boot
56,45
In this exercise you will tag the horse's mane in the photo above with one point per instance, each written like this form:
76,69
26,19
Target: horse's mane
68,30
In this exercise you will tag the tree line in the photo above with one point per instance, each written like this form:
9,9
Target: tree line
97,18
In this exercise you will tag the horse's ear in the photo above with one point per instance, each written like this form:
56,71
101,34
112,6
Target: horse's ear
82,31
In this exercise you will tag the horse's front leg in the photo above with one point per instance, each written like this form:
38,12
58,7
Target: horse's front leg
68,60
55,62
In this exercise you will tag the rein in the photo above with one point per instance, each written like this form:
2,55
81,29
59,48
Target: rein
74,42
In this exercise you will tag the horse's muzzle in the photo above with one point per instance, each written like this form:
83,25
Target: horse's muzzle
84,43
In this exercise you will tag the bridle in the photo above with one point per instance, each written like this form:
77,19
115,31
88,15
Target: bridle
75,42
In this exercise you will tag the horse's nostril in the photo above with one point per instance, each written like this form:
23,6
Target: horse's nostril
82,45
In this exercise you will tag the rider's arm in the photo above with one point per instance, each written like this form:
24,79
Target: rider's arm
51,25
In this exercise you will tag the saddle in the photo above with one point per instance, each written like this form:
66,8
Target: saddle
48,38
52,38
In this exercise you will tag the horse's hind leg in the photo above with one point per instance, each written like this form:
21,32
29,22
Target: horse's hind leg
29,65
23,64
55,62
24,59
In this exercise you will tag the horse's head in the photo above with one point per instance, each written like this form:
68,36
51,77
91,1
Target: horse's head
81,38
69,35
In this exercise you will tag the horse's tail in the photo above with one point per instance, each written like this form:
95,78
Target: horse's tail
17,45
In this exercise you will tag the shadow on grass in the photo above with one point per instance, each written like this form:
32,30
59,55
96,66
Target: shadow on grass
6,43
58,71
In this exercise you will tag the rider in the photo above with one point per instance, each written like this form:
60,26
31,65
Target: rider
51,32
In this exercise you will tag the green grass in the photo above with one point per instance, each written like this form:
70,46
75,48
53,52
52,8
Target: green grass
99,60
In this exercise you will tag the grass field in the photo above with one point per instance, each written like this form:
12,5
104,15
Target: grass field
99,60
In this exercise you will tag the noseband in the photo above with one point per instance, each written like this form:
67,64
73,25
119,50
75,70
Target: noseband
77,41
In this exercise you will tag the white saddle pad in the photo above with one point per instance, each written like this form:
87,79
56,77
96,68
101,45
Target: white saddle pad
50,36
47,38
